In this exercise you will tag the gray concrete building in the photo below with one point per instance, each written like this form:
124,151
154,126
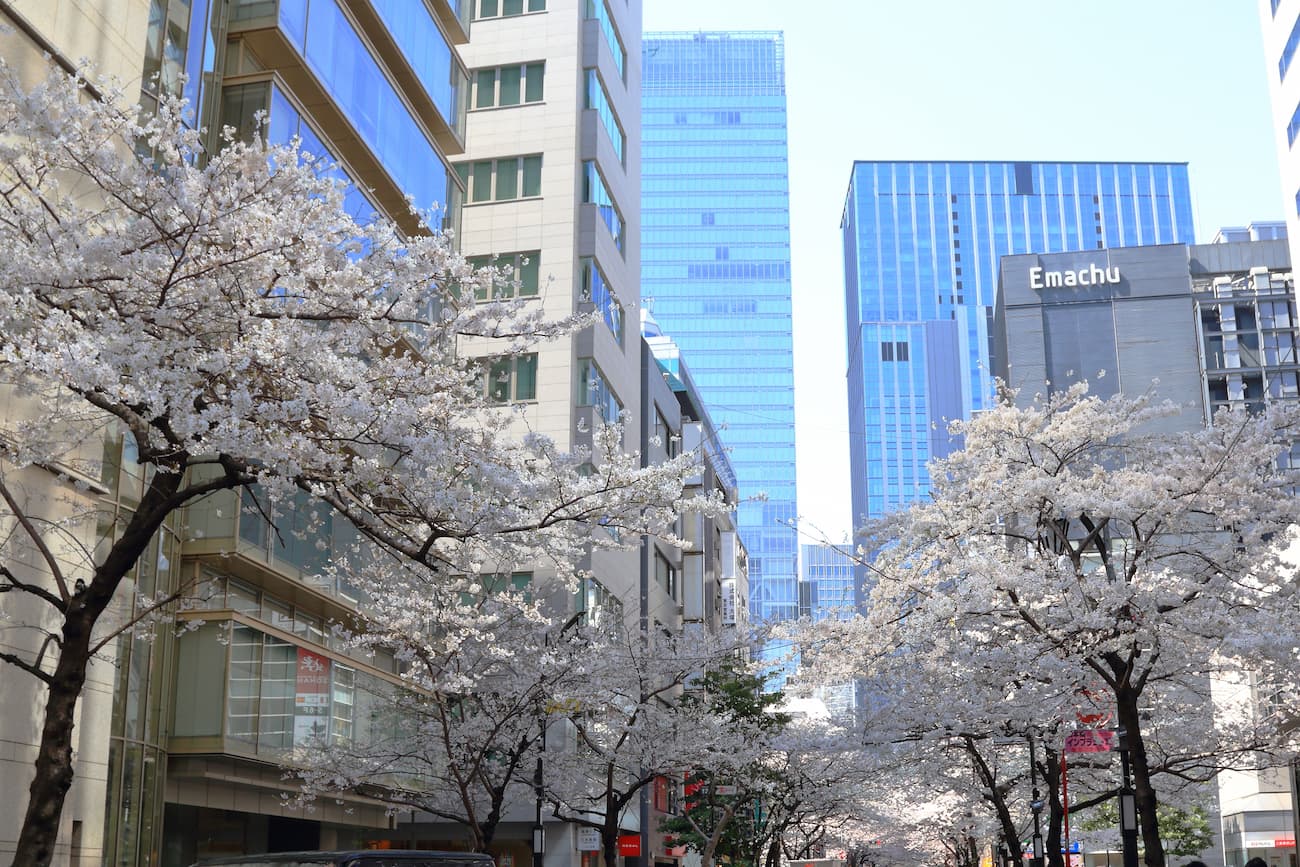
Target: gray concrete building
1202,325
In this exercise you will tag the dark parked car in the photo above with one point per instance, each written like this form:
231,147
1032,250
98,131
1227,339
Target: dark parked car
358,858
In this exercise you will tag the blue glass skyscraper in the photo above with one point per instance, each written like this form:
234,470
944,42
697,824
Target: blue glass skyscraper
922,243
715,267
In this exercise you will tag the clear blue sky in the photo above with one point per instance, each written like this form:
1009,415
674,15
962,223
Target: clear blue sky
1177,80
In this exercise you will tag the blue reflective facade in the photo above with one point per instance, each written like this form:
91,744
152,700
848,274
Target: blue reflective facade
922,242
715,254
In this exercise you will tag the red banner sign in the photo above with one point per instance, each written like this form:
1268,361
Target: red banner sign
1090,741
629,844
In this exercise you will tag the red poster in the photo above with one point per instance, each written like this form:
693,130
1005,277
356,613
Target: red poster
311,703
629,844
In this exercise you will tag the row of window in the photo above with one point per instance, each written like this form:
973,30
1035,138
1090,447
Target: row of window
895,350
598,100
596,289
525,268
599,10
502,179
506,8
1288,51
594,192
509,85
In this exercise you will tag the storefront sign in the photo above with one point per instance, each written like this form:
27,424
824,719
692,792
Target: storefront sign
629,845
588,839
311,702
1090,276
1284,842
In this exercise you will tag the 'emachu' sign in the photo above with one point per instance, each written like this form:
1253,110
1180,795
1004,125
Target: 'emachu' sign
1090,276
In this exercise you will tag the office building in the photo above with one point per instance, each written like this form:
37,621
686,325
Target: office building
1204,326
716,267
1280,22
827,589
922,241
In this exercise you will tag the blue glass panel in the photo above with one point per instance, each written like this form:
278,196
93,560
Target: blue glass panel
338,56
427,51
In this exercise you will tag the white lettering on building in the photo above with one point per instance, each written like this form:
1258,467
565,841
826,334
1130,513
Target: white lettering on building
1090,276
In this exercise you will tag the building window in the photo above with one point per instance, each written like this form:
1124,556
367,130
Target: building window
599,10
508,85
598,101
596,193
665,575
706,218
599,607
510,379
523,266
506,8
900,348
886,351
594,390
595,288
1288,51
503,179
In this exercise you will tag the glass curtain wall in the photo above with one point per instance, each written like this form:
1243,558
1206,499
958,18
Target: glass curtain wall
715,253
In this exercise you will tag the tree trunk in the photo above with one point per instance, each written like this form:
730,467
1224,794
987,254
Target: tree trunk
54,770
996,797
1051,769
1126,708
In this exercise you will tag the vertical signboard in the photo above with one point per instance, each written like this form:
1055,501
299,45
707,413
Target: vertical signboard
311,702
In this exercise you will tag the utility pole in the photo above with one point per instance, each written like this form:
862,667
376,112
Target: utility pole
1037,806
1128,824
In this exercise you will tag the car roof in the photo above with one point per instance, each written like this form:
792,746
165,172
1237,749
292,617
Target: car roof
346,856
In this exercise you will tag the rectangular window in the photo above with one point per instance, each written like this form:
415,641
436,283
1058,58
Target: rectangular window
886,351
511,378
506,8
525,267
595,288
502,180
594,192
594,390
599,10
508,85
900,350
1293,128
598,101
665,575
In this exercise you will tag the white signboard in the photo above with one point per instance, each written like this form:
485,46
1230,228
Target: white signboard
588,839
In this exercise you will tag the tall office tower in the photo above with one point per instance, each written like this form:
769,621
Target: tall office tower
180,736
921,247
1280,21
716,266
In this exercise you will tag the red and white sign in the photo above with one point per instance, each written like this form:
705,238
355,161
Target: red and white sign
1090,741
1284,842
311,702
629,844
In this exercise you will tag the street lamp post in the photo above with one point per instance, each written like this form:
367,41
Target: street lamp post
1128,822
1037,806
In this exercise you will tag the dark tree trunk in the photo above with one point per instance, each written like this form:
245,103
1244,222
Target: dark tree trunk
1051,769
997,798
1126,707
54,770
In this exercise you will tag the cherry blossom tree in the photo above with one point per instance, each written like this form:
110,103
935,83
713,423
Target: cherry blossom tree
625,723
225,313
1075,544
